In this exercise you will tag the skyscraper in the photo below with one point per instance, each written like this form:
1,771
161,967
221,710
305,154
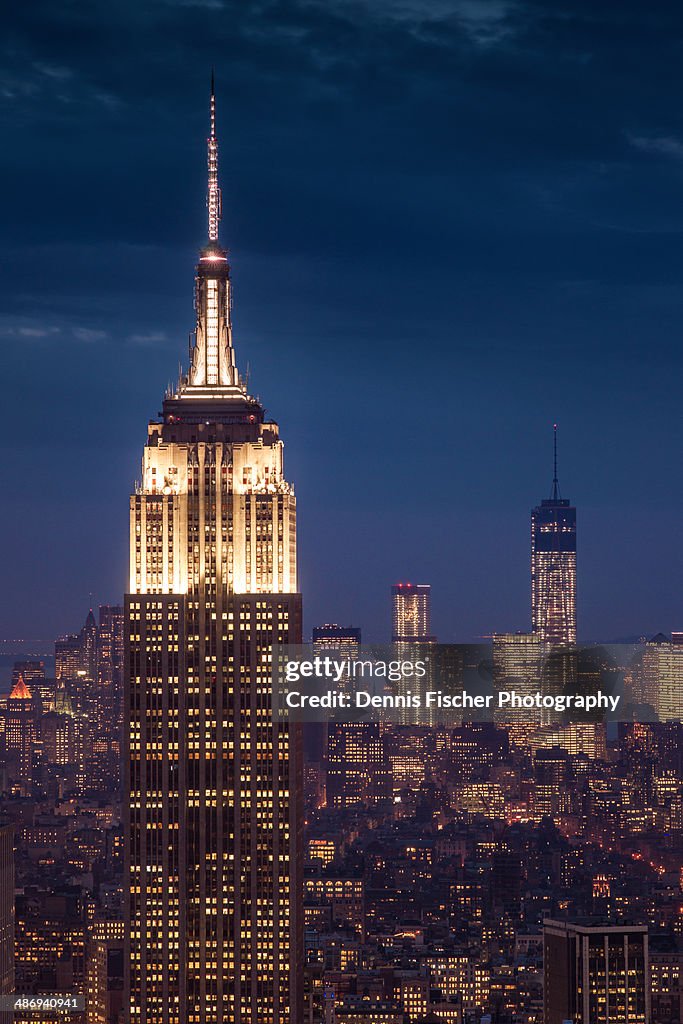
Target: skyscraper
595,974
516,666
110,670
553,567
20,736
662,677
411,613
213,844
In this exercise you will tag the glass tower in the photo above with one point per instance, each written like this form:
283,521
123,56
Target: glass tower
553,568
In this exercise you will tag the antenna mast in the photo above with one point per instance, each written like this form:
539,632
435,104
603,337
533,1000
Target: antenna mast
556,489
213,197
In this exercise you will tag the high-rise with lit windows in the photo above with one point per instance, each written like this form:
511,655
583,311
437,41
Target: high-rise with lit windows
213,846
595,973
411,606
553,568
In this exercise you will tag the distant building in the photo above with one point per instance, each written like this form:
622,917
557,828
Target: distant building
104,973
6,914
666,979
344,639
89,647
20,736
32,671
516,666
68,657
356,768
553,568
663,677
108,694
51,932
595,974
411,613
353,750
411,621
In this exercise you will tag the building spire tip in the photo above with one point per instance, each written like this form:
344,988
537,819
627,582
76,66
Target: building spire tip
556,489
213,198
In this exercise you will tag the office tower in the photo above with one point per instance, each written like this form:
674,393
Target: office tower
328,743
30,671
345,639
213,843
50,940
109,696
411,613
357,770
595,974
68,657
20,736
516,666
662,677
57,734
551,771
666,978
104,972
33,674
89,647
553,567
6,914
410,627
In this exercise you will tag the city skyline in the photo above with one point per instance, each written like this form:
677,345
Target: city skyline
560,205
441,229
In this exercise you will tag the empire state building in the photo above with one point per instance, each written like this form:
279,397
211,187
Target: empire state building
213,779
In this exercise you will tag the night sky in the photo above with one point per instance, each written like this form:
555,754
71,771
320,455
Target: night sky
451,223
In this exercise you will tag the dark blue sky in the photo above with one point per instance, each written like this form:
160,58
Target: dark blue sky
451,223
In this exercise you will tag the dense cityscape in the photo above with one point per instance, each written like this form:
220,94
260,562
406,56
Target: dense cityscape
173,855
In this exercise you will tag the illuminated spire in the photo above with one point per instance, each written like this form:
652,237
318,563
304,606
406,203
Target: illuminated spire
212,355
213,196
556,489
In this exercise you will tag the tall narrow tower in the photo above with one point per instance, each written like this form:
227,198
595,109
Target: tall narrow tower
553,566
213,847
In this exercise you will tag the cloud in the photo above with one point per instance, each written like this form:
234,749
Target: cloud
485,21
37,332
60,74
88,334
24,330
151,338
665,145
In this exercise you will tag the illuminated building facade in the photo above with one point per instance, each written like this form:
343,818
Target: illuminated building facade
344,641
553,568
516,666
411,617
356,769
110,669
213,845
104,972
411,613
20,735
595,974
69,657
663,677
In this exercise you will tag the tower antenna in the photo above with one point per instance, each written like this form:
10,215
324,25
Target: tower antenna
556,489
213,196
